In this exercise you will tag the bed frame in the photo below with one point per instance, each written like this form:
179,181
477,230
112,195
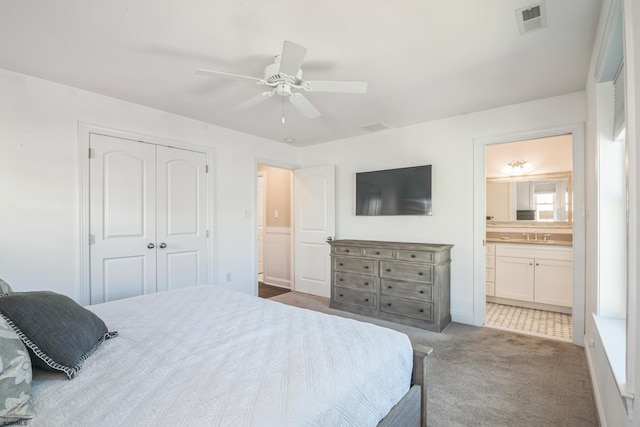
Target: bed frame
411,410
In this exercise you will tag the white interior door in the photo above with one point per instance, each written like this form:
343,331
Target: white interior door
181,218
122,207
314,223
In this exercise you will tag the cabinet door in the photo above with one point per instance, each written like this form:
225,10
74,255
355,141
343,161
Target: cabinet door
554,282
514,278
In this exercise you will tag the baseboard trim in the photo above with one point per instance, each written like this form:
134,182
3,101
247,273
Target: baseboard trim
594,387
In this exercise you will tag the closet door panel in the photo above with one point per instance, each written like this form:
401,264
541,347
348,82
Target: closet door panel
122,218
181,218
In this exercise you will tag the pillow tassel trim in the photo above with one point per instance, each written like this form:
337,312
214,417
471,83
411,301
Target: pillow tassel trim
70,371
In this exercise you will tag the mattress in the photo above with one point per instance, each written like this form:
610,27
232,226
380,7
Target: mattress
209,356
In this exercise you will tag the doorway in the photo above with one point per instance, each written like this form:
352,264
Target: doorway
484,275
529,236
274,229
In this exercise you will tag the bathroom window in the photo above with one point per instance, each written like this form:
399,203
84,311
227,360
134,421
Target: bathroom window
545,206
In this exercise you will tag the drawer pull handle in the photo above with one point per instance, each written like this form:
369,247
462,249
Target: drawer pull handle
341,264
341,295
366,267
389,304
366,283
388,269
422,292
421,274
421,310
413,256
377,253
342,280
347,250
389,287
366,300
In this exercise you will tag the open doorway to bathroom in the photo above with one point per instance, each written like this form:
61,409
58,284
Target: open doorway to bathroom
529,236
274,222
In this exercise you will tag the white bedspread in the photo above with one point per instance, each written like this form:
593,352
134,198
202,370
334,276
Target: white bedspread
209,356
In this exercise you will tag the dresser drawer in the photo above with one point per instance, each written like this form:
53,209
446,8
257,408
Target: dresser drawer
347,250
363,299
354,265
415,256
419,291
405,271
355,281
378,253
408,308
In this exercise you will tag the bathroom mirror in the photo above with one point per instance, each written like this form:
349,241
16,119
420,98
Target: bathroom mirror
537,199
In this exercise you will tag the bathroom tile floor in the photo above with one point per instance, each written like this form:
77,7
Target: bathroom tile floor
546,324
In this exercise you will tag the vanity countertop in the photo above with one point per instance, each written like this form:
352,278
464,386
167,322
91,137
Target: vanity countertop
554,239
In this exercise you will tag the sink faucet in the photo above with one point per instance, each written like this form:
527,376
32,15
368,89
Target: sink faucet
526,234
535,236
546,236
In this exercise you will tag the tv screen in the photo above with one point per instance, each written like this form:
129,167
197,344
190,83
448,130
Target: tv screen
404,191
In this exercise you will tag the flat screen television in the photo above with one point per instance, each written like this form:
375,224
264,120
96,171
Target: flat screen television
404,191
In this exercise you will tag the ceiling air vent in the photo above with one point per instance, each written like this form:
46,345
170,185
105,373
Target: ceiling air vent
376,127
532,17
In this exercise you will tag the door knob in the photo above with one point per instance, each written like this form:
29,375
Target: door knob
163,245
151,246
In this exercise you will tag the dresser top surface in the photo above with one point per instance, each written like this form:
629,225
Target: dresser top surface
397,245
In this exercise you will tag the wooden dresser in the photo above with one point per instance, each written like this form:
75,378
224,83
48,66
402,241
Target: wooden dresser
406,283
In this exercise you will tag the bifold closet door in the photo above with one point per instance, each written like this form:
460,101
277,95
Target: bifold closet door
148,219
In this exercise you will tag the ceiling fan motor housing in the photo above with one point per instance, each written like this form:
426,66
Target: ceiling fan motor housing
273,77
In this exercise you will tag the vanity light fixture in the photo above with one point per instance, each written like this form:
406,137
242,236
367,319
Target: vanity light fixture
517,167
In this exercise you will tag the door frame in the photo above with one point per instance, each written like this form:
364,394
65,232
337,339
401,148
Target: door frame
84,132
281,165
579,220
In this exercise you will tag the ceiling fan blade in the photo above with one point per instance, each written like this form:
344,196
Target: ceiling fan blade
304,106
291,58
336,87
254,100
210,73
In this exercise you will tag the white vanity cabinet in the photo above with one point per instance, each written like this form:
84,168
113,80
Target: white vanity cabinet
535,273
490,277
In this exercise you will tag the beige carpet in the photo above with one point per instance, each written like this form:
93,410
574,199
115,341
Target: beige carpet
488,377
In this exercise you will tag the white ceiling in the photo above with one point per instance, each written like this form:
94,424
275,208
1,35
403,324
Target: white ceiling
422,59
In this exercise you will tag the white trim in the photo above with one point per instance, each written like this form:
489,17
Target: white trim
579,230
631,23
594,385
84,132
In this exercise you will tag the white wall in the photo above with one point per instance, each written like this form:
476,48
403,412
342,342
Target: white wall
39,196
447,145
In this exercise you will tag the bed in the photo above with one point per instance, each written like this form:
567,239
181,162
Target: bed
211,356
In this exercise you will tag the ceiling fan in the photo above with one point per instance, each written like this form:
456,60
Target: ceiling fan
284,78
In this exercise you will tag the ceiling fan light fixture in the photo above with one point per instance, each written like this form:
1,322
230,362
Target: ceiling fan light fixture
517,167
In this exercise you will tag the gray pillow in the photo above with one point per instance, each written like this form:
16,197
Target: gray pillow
5,288
59,333
15,377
